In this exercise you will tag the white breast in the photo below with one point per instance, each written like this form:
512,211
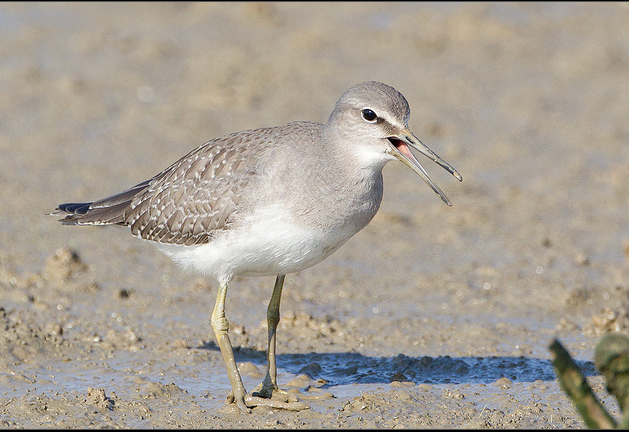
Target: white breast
269,243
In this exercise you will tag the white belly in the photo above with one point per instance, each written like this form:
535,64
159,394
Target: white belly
269,243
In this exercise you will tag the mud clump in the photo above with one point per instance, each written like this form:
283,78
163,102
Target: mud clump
64,265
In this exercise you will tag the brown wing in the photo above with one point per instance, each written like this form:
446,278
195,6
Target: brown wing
106,211
188,201
197,195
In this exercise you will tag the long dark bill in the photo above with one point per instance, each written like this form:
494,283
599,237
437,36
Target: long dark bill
402,152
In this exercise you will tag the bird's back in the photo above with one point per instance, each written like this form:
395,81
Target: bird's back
198,195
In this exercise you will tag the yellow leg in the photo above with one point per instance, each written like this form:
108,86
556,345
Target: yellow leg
220,325
269,385
268,389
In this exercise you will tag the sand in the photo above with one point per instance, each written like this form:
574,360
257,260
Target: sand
430,317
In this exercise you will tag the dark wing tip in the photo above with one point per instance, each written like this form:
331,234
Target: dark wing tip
71,212
106,211
74,208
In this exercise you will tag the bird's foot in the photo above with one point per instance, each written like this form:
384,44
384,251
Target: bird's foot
293,395
275,398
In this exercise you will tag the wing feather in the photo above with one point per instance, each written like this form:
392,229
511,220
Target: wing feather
189,201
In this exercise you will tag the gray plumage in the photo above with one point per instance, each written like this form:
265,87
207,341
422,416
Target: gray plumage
269,202
191,199
207,190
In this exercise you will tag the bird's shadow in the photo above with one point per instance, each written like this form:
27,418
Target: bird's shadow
354,368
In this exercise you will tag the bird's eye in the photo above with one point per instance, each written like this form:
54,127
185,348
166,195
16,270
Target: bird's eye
369,115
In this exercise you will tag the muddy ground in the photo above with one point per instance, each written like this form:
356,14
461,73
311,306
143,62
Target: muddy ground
430,317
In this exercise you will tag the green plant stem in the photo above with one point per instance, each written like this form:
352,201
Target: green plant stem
575,385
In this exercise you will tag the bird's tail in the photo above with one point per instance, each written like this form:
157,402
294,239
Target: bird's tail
107,211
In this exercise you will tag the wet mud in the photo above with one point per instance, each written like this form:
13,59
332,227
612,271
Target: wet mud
431,317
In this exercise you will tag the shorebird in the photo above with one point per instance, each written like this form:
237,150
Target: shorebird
269,202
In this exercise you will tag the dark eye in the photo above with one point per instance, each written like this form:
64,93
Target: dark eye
369,115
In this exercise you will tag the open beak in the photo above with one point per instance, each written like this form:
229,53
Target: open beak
400,149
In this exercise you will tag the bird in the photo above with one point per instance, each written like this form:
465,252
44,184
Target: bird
269,202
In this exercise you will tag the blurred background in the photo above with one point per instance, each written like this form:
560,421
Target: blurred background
528,101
